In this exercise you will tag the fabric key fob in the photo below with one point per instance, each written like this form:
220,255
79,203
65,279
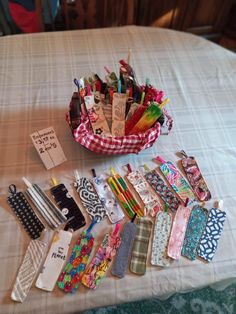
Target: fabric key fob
179,226
68,207
195,228
120,264
90,199
149,198
107,197
195,177
160,239
140,247
211,235
157,183
100,263
54,261
25,213
71,275
176,180
28,270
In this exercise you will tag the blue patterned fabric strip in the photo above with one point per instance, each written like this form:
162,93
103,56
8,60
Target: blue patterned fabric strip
209,241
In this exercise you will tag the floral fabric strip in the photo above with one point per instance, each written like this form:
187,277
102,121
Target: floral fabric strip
160,240
195,228
178,232
100,263
157,183
211,235
108,199
195,178
74,269
177,181
149,198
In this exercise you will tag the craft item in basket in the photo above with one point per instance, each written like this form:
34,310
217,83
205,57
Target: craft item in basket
179,226
195,177
147,195
28,269
129,198
195,228
176,180
68,206
160,187
149,117
140,247
89,198
71,275
97,269
160,239
50,212
96,116
212,233
25,213
123,253
54,261
106,124
118,114
114,212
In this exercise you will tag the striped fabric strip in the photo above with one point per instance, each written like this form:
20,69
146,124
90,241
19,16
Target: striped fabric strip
28,270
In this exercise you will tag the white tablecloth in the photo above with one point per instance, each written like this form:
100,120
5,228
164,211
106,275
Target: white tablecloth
36,74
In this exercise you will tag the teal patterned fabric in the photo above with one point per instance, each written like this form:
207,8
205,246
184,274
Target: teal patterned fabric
203,301
196,225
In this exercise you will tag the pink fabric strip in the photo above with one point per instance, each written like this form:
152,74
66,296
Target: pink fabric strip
178,232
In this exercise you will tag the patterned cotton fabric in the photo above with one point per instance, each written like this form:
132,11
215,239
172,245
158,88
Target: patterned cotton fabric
140,247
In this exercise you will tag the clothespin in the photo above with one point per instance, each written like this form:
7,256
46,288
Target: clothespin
165,208
129,168
54,181
182,152
76,174
93,173
94,221
186,202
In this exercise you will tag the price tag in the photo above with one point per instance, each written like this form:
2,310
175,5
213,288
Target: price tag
48,147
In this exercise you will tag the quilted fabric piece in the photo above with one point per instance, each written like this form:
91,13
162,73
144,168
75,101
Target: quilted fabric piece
214,227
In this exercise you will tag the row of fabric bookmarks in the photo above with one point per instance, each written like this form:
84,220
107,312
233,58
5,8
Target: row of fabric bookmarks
181,226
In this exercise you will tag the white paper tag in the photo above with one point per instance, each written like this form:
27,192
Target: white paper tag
48,147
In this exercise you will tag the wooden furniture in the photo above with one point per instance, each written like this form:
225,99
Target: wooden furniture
205,18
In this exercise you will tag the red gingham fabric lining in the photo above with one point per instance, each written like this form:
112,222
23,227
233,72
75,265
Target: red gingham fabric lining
135,143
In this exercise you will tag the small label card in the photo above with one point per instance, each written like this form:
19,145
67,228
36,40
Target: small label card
48,147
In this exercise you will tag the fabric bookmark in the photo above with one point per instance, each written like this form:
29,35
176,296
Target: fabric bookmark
90,199
54,261
50,212
160,239
25,213
28,270
107,197
71,275
68,206
211,235
160,187
176,180
179,226
121,261
195,228
140,247
195,177
100,263
149,198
